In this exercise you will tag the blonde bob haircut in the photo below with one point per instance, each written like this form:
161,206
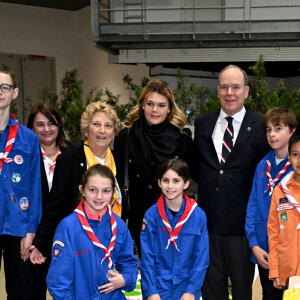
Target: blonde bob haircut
175,117
98,107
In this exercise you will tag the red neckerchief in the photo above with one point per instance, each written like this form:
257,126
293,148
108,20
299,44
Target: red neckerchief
289,195
86,226
271,181
12,134
52,165
190,205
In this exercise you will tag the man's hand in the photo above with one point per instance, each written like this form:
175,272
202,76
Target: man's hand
26,243
261,256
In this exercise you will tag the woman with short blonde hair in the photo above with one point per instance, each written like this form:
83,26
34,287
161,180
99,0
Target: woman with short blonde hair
99,125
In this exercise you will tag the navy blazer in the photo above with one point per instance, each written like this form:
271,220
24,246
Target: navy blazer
62,199
223,192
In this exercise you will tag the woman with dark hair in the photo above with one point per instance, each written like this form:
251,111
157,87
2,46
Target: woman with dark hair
155,134
46,122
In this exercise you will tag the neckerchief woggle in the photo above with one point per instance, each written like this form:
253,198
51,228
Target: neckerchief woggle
110,163
190,205
293,203
271,181
86,226
12,134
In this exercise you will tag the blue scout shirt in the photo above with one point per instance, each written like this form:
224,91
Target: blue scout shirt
20,184
260,201
168,272
76,271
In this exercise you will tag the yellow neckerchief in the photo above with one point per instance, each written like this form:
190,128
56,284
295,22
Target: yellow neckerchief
109,161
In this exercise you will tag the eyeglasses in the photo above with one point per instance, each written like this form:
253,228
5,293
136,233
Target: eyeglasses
225,88
5,88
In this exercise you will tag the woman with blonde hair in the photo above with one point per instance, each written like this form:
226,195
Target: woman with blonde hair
99,125
155,134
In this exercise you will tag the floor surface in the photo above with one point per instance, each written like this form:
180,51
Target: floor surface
257,294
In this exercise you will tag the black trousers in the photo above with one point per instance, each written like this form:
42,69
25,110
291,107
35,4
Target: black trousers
268,290
36,279
14,267
228,256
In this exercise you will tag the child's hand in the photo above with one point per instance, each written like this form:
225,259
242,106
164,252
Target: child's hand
261,256
116,282
187,296
25,245
276,283
154,297
36,257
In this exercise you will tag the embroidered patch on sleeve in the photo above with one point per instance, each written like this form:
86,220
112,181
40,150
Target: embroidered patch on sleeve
56,252
60,243
144,225
283,200
283,216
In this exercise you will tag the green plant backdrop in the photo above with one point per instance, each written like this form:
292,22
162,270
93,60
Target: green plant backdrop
194,100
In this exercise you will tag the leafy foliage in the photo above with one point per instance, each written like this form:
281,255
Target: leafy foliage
190,97
261,98
194,100
71,102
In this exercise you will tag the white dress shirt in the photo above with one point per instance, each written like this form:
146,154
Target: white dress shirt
221,126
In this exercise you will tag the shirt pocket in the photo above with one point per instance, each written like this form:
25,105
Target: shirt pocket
287,258
118,243
186,244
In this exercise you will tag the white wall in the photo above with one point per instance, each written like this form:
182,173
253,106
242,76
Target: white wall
67,37
93,62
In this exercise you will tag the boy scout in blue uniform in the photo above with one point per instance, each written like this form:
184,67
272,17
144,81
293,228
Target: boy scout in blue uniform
20,190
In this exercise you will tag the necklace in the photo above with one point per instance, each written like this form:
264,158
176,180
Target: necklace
50,155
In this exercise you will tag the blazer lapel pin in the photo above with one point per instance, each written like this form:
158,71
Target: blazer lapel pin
249,128
81,165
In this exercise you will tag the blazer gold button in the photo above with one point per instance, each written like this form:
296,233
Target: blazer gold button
221,172
137,175
150,187
129,160
217,189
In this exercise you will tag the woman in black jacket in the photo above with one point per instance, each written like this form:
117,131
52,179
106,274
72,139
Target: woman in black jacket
154,135
46,122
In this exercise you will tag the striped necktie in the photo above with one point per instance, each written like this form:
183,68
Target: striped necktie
227,141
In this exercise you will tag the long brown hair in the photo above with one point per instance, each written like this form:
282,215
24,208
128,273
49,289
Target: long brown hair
175,117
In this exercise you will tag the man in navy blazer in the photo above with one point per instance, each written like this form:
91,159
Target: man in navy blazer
224,187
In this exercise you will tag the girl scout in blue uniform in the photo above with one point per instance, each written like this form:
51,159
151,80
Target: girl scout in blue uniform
89,242
174,240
